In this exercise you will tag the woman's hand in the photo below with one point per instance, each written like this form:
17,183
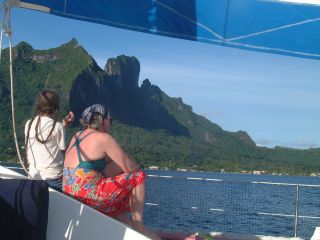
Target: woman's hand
68,119
115,153
134,164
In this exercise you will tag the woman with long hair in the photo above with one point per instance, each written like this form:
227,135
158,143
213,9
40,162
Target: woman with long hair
45,140
100,174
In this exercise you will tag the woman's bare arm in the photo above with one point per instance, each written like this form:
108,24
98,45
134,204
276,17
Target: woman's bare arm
114,152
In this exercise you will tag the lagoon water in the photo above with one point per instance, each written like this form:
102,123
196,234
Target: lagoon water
228,202
235,203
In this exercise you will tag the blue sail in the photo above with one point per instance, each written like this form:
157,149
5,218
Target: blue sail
275,26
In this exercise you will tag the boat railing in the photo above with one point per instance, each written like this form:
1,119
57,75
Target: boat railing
297,202
227,205
177,202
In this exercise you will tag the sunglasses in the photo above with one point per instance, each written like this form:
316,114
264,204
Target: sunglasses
109,118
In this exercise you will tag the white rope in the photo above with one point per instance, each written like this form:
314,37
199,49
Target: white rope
1,43
2,28
9,34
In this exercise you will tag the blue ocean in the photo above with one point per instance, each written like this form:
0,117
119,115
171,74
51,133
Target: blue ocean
235,203
206,202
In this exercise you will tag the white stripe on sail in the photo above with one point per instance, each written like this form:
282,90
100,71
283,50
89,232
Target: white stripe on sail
189,19
273,29
277,50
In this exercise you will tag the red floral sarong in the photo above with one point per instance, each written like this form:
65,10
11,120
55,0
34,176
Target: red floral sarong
109,196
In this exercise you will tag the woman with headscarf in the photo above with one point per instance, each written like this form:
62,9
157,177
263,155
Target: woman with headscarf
100,174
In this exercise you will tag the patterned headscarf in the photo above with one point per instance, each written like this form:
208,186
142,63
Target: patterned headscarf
90,111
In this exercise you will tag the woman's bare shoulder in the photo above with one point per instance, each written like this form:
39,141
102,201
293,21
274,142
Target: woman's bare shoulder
106,139
103,136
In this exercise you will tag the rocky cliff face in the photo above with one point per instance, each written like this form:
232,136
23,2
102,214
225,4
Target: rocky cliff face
124,71
145,106
244,136
81,82
84,90
148,116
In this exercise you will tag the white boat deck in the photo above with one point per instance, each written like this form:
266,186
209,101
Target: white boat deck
69,219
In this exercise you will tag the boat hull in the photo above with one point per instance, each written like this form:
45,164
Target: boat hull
70,219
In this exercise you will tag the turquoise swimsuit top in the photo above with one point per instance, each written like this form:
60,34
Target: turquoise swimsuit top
98,165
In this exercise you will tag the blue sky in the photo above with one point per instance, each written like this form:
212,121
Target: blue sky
274,98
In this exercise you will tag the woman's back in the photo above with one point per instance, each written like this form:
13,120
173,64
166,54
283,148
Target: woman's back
46,158
86,146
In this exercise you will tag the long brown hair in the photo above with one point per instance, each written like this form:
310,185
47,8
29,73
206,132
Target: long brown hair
47,104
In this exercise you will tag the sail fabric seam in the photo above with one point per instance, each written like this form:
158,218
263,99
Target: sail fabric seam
193,29
45,9
189,19
147,29
273,49
274,29
189,36
99,20
65,5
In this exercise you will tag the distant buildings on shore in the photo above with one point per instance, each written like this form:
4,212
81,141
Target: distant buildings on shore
256,172
315,174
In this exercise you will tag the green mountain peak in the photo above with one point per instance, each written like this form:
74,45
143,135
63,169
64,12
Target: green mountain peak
156,128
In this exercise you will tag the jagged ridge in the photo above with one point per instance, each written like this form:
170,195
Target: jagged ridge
156,128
